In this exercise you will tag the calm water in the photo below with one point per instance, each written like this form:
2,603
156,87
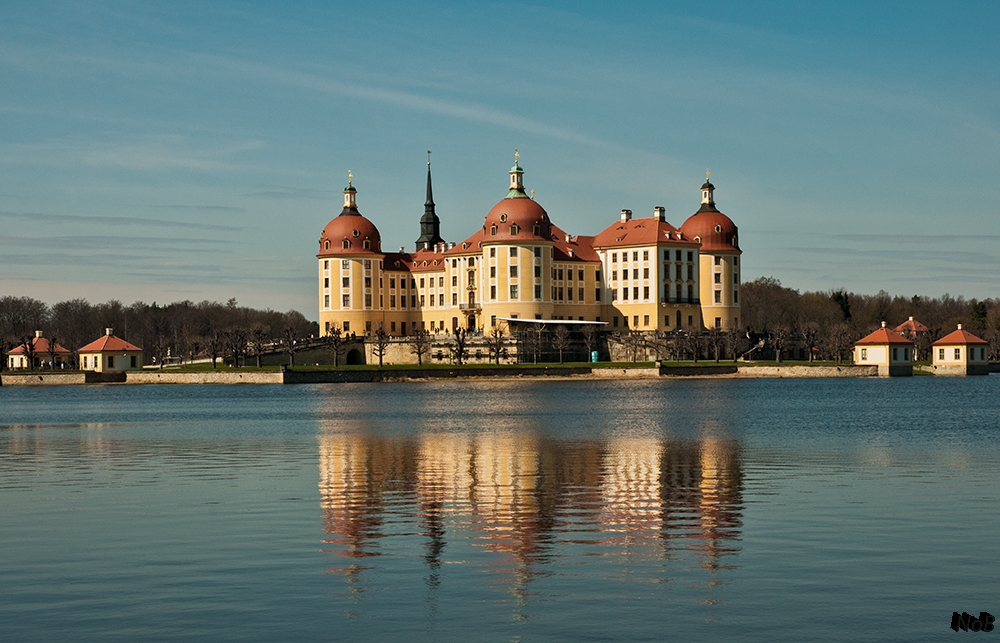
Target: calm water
793,510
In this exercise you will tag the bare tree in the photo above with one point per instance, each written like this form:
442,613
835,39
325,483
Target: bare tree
633,341
687,342
380,342
215,344
714,340
810,337
52,353
495,340
780,337
732,341
560,340
28,344
290,337
334,340
256,338
591,334
236,344
420,344
459,350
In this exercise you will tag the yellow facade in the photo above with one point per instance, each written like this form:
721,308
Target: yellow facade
663,283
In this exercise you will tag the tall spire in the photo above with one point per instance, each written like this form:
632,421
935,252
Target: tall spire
430,224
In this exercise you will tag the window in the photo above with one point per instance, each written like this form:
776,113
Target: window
368,300
718,296
560,274
392,327
514,230
614,275
392,301
326,264
958,353
538,292
645,255
454,280
392,282
691,294
555,292
690,320
513,291
690,256
368,282
635,257
493,292
493,252
454,299
597,275
440,282
493,272
367,244
347,301
718,322
513,271
132,361
635,273
736,296
718,260
895,354
645,320
645,273
538,271
691,272
345,264
326,282
645,292
597,295
493,229
472,277
346,281
614,321
614,257
614,294
413,284
736,261
625,294
413,301
581,294
368,264
423,301
441,299
368,327
513,251
326,301
718,277
537,250
347,326
421,282
111,361
677,256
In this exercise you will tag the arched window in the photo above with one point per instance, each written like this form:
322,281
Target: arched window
536,230
493,229
367,244
514,229
326,244
347,244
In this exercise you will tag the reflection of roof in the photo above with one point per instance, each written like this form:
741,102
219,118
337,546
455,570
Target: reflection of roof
960,336
911,325
884,336
109,344
39,345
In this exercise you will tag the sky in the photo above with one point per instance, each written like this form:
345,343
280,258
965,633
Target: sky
195,150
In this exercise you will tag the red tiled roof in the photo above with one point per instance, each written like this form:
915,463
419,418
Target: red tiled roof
912,326
109,344
884,336
641,232
960,336
40,346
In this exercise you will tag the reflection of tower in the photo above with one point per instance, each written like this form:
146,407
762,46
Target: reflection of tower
632,504
720,499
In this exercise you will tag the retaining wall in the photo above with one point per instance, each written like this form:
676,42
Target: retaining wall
203,377
844,370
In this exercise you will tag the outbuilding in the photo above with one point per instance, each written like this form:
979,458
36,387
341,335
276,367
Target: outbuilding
44,354
110,354
887,349
960,353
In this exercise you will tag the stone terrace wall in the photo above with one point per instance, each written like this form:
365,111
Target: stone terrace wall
752,370
203,377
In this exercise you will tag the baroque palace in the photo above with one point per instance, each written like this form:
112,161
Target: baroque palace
519,267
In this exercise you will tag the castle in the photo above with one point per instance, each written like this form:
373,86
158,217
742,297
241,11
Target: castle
519,267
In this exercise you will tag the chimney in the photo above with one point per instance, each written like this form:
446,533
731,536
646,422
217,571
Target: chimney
427,245
400,249
659,213
107,331
959,327
38,333
567,238
626,215
911,318
883,324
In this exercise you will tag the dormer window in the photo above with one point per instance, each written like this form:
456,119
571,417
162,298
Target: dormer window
536,230
368,244
514,229
493,230
347,244
326,244
697,239
718,228
356,234
503,217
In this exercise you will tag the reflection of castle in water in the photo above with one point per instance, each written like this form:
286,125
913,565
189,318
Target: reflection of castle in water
520,498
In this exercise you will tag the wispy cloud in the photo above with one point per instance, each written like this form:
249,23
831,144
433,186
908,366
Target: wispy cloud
267,191
36,218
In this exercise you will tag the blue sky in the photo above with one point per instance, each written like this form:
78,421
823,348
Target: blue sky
195,150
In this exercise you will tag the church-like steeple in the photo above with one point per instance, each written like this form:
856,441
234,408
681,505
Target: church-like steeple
516,179
707,197
430,225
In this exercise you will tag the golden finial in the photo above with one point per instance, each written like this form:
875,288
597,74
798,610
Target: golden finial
707,174
350,177
532,194
516,156
428,158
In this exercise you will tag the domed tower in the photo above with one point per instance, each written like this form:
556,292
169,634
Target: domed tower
430,224
719,269
517,246
350,270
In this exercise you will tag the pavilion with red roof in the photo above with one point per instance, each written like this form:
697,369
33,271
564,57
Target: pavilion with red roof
887,349
43,354
960,353
110,354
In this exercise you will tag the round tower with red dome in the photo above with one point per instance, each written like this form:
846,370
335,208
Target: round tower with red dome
719,261
350,264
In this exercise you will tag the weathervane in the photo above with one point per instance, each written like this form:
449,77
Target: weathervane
532,194
350,177
428,158
516,156
707,174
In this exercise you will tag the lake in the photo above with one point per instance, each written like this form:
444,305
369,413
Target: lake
648,510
